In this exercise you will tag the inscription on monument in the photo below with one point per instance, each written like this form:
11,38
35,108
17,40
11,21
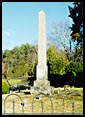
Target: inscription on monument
41,73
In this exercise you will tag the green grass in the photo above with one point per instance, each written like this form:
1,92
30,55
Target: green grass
56,99
18,81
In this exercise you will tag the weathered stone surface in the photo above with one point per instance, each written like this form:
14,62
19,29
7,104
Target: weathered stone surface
66,87
44,90
42,85
42,72
41,67
41,38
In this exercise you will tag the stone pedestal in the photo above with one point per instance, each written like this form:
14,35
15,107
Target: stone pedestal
42,72
42,86
41,83
44,90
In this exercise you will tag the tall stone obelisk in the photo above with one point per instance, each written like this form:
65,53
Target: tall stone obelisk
41,71
41,67
41,82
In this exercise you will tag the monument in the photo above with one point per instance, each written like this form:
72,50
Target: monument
41,84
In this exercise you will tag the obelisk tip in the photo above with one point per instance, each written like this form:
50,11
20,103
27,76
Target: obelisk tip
41,12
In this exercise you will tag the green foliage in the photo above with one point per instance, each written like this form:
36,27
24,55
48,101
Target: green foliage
5,87
20,60
57,61
76,13
74,67
74,73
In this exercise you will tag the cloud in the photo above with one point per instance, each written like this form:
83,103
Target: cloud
7,34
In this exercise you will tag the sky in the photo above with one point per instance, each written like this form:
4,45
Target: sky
20,21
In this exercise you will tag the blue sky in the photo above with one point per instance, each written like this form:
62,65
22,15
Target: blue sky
20,20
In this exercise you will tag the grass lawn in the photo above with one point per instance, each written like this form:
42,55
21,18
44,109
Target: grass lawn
56,100
17,81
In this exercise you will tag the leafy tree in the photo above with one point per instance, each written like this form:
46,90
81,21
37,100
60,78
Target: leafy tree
5,87
74,72
20,61
74,67
32,59
4,70
57,61
76,13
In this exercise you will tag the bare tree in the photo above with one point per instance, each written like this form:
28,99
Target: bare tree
32,58
60,36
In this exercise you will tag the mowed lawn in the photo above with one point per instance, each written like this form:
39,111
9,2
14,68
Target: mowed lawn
47,108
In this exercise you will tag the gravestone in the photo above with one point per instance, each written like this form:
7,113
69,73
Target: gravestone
41,84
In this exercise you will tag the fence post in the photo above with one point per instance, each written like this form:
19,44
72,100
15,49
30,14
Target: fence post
32,105
13,105
22,106
13,102
62,106
4,108
52,105
82,104
42,106
73,105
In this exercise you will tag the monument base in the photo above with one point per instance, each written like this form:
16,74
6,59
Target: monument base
41,83
42,86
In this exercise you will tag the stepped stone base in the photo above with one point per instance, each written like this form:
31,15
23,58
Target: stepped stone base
42,86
